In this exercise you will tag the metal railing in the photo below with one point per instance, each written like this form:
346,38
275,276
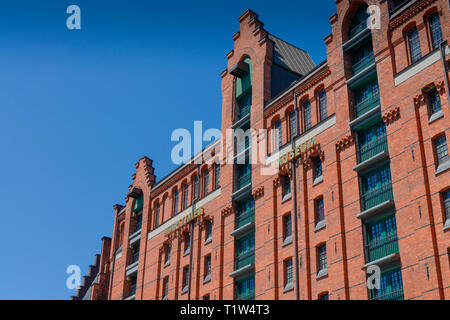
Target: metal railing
372,148
381,248
245,259
135,257
394,295
245,217
355,30
247,296
367,105
363,63
377,196
132,290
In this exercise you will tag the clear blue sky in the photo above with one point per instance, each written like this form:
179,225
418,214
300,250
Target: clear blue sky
79,108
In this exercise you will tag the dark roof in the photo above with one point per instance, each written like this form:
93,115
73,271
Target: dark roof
291,57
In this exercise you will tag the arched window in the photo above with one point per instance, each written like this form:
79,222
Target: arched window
277,135
359,21
435,30
323,105
243,88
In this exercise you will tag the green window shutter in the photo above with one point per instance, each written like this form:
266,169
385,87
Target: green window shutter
138,204
244,84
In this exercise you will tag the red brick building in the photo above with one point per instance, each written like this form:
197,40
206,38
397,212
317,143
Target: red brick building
363,140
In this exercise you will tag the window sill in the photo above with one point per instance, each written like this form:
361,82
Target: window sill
442,167
436,116
286,198
447,225
167,264
185,290
320,225
208,241
287,241
317,181
322,274
165,298
186,253
288,287
207,279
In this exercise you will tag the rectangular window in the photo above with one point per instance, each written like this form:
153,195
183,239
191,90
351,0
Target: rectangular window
185,280
207,275
381,238
440,147
446,201
245,251
138,222
175,202
245,289
132,289
414,45
322,257
285,186
287,226
205,182
307,115
208,231
167,256
187,243
206,297
288,272
391,286
317,164
323,105
434,101
135,251
157,211
320,211
323,296
217,175
293,124
165,292
278,135
185,196
435,30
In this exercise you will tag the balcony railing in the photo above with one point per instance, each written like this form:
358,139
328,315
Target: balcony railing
377,196
372,148
243,105
381,248
248,296
363,63
243,180
245,217
355,30
245,259
135,257
366,105
394,295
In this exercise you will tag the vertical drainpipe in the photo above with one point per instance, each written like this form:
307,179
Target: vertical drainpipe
443,46
194,202
294,205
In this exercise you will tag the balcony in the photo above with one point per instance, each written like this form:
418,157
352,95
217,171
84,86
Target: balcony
373,148
244,218
245,259
243,104
357,29
363,64
381,248
243,181
377,196
394,295
366,105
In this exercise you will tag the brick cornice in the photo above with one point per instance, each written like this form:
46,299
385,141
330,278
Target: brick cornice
344,143
258,193
409,13
280,104
173,180
391,116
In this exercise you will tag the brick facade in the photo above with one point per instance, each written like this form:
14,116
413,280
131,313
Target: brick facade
382,207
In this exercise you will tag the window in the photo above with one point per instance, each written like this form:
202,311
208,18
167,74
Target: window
359,21
288,274
187,243
381,238
293,124
205,182
440,147
196,187
320,212
317,166
245,251
157,210
185,280
135,253
285,187
434,101
435,30
322,258
138,222
167,255
287,228
307,115
165,292
278,137
208,231
414,45
391,286
245,289
243,91
185,195
323,105
132,289
207,274
175,202
138,204
206,297
446,201
323,296
217,175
